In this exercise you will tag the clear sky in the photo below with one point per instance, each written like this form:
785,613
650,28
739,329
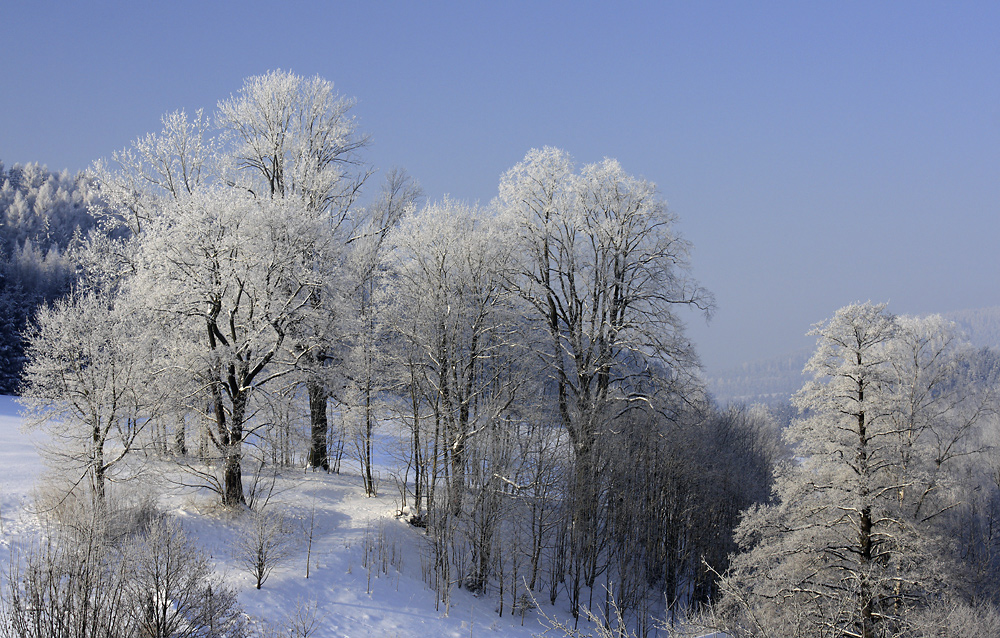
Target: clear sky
817,153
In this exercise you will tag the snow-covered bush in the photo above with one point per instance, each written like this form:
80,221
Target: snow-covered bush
156,584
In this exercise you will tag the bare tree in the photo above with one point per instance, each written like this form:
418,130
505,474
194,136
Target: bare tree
172,588
74,589
154,584
262,543
366,364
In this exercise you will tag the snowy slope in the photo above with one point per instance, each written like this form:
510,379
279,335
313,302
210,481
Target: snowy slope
345,597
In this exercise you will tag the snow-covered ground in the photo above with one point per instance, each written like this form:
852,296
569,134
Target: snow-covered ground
19,470
347,599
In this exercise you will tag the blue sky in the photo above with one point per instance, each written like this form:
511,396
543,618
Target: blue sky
816,153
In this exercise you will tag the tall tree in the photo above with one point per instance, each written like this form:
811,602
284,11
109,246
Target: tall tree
239,273
604,272
365,364
242,233
450,304
295,138
849,548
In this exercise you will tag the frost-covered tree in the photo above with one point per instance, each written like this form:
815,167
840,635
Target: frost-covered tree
236,234
455,330
449,303
365,364
939,406
237,273
296,138
291,137
43,207
849,548
91,381
604,274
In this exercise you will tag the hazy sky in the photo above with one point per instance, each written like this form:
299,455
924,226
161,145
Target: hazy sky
816,153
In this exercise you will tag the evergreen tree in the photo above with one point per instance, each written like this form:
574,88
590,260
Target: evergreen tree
850,548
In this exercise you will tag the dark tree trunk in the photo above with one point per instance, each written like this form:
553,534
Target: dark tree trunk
420,471
366,452
865,531
97,467
232,495
180,438
318,396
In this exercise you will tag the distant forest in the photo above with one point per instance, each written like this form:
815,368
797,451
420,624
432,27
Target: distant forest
44,217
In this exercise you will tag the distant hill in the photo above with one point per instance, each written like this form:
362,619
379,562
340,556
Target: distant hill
981,325
769,381
772,381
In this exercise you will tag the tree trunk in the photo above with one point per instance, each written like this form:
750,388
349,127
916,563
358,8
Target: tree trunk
457,492
180,438
865,524
97,466
865,593
366,451
420,471
232,495
318,396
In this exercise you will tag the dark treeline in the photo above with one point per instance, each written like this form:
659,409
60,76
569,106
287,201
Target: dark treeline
44,218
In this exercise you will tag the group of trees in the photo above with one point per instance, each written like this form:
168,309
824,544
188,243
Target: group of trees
227,268
531,349
557,365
